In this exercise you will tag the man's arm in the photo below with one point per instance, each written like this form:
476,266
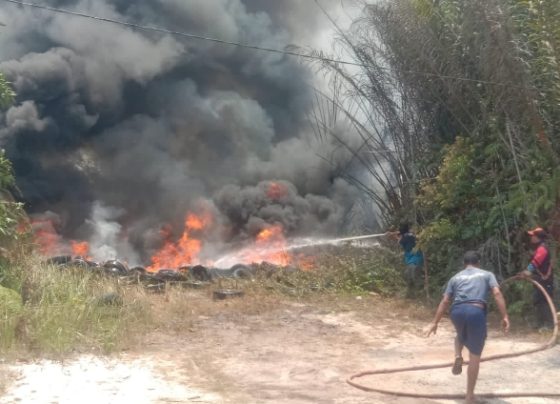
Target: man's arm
501,303
525,274
529,272
538,258
442,308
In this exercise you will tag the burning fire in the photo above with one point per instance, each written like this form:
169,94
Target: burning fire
184,251
304,262
80,248
272,235
51,243
276,191
272,247
46,237
270,244
200,222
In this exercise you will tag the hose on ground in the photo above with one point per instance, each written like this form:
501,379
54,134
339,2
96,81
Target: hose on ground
549,344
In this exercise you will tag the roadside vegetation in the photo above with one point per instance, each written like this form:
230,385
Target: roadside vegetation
347,270
46,310
457,104
54,311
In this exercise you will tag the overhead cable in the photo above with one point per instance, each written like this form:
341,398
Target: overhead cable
317,56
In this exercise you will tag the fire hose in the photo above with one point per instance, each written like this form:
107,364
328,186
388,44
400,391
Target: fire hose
549,344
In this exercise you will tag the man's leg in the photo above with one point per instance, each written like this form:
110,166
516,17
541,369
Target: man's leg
458,320
472,376
409,278
458,348
544,316
547,314
419,277
476,338
457,368
539,304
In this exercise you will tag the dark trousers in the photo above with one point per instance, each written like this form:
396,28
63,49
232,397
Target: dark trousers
414,276
542,310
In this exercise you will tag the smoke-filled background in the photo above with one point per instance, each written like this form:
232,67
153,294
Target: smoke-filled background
118,132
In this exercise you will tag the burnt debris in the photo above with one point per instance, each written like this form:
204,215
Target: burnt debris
187,276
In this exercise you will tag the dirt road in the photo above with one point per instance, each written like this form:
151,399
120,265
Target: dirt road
283,352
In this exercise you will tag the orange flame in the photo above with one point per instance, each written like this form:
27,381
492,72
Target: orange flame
273,234
305,262
45,235
184,251
270,246
276,191
198,222
270,243
80,248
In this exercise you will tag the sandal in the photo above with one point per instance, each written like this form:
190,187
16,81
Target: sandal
457,366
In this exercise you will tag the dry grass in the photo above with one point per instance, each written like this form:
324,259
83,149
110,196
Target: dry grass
62,313
340,273
178,309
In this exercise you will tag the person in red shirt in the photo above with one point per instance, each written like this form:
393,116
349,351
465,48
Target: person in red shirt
540,269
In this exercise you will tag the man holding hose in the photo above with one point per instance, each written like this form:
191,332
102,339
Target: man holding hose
413,258
467,292
540,269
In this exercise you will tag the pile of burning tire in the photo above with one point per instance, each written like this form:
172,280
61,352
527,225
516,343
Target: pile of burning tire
188,276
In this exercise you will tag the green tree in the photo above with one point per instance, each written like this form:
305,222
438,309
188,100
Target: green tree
6,93
11,212
466,96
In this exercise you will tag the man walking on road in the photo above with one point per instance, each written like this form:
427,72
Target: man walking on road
467,292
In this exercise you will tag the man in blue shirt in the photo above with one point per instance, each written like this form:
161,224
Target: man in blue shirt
413,258
467,292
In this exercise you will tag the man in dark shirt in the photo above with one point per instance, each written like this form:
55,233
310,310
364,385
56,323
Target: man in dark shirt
467,292
413,258
540,269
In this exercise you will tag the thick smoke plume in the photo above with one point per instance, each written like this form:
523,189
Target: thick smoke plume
118,132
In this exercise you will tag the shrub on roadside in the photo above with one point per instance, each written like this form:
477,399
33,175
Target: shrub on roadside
62,311
344,269
10,315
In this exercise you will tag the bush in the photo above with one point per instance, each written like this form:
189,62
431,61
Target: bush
344,269
62,311
10,315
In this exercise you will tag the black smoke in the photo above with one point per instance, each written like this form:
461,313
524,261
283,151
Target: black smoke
119,131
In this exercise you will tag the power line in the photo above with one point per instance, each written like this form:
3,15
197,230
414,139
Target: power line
183,34
238,44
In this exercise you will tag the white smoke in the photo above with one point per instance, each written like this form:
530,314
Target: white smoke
107,240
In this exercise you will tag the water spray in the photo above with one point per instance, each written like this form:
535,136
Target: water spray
366,237
237,256
334,241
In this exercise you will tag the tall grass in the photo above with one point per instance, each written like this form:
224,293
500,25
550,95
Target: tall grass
343,269
63,310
